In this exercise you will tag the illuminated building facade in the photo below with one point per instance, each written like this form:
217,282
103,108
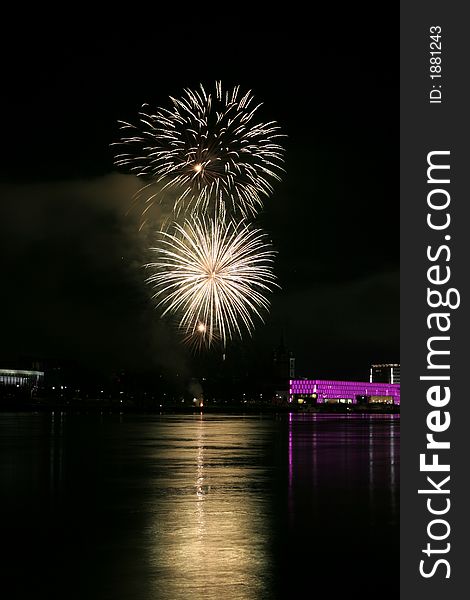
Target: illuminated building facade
349,392
20,379
385,373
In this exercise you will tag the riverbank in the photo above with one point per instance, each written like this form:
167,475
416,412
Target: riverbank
91,405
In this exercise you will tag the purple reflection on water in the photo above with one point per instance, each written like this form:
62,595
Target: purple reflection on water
343,491
350,449
290,450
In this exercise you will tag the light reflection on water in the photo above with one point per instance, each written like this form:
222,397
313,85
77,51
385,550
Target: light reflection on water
199,506
211,528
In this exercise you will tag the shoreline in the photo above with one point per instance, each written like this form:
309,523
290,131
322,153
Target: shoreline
113,407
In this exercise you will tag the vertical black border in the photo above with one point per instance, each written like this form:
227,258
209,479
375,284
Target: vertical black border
426,127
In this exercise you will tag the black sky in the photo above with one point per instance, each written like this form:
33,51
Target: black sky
70,256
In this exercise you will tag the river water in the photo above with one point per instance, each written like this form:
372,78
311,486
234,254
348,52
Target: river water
189,507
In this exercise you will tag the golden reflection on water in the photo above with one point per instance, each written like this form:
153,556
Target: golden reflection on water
210,537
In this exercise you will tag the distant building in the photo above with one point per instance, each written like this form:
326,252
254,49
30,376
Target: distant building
284,365
283,372
385,373
281,397
19,378
320,391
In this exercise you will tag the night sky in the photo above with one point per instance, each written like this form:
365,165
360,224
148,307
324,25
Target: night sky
71,258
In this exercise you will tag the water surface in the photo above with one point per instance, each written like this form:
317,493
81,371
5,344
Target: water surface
180,507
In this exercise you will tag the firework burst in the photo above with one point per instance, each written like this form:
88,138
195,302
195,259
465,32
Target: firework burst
208,149
197,337
213,275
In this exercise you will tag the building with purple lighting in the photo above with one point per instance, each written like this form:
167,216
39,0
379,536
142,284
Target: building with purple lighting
321,391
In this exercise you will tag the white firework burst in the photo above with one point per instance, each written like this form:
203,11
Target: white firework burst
208,149
213,275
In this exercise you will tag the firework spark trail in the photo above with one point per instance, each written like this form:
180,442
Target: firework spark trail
208,148
213,275
197,338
